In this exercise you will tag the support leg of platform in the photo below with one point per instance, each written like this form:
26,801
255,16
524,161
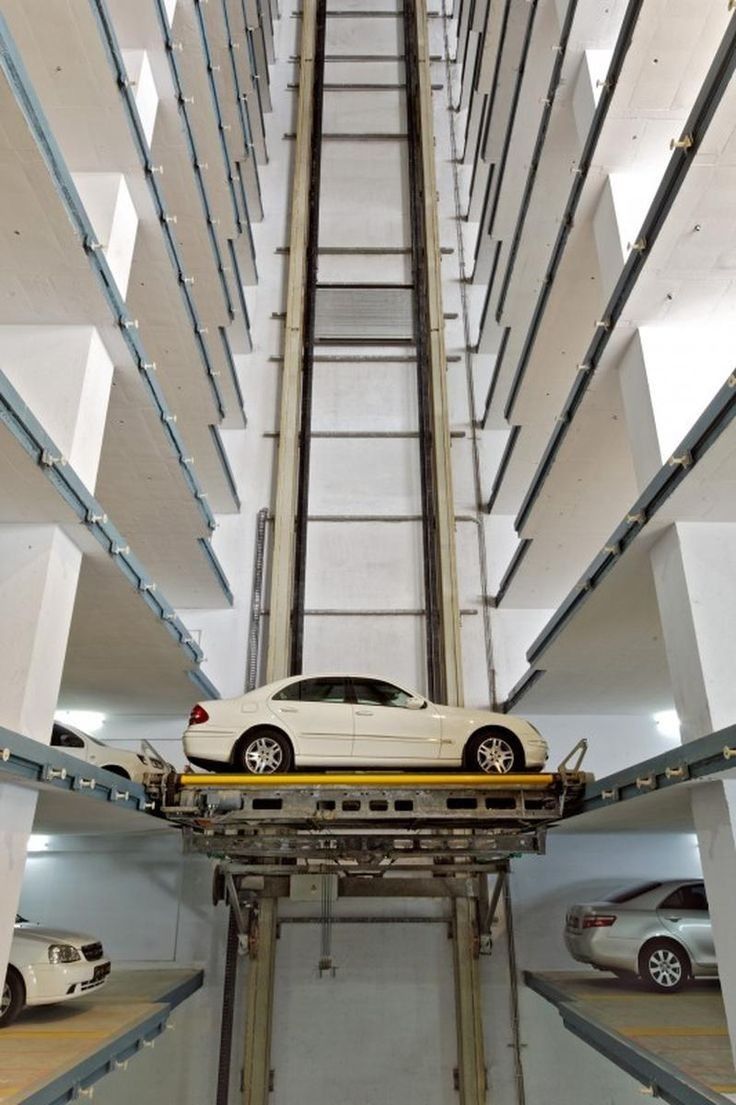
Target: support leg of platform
259,1006
471,1080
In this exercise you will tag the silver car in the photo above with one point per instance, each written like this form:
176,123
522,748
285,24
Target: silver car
659,931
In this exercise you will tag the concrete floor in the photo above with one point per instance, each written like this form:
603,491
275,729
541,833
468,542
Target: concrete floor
686,1030
49,1042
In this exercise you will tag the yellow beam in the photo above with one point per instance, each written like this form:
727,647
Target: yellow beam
356,780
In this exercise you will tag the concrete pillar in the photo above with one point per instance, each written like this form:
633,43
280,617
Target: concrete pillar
64,375
694,566
39,570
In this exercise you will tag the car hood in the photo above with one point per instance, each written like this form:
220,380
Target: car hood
37,934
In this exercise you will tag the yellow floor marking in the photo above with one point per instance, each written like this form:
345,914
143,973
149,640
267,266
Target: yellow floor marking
722,1087
29,1033
671,1030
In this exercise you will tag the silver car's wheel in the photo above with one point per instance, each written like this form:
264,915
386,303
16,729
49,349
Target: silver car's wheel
494,754
265,753
664,967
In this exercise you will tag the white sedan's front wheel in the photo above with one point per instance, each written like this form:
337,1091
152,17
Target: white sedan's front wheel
264,752
12,997
495,752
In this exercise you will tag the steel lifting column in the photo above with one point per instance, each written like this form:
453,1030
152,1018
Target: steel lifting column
444,662
283,561
471,1067
259,1005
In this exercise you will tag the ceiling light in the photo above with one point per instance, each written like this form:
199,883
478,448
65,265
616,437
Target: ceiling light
668,724
87,720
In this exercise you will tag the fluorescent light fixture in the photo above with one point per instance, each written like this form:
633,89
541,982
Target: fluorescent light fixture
668,724
87,720
38,843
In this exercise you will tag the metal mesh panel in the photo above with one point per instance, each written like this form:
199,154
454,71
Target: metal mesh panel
364,313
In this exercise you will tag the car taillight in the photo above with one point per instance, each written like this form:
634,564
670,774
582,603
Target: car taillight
198,715
598,920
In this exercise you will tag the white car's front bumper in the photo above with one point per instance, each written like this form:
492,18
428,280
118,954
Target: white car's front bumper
51,982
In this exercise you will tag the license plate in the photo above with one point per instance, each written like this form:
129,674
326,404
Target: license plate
101,972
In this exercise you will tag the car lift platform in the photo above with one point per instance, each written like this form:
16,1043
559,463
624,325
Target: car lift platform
370,820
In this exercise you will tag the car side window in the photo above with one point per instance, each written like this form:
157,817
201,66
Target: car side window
323,689
288,694
691,897
61,739
374,692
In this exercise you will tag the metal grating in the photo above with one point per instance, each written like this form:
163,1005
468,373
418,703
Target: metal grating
364,312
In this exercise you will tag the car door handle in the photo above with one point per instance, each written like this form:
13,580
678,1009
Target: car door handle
675,919
288,709
365,713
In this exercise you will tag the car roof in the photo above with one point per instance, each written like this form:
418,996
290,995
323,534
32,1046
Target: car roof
653,895
266,688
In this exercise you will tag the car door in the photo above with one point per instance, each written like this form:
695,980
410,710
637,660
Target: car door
387,731
685,914
319,717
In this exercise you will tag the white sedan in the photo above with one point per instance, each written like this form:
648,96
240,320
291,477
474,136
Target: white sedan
129,765
334,720
49,965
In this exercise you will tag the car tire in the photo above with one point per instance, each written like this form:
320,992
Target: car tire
663,966
263,752
494,752
13,997
115,770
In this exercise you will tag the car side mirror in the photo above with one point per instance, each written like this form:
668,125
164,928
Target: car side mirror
415,703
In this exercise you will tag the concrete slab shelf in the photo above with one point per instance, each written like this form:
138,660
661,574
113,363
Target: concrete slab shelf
676,1045
53,1054
572,666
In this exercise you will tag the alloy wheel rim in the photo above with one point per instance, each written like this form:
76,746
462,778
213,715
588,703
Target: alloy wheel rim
264,756
495,755
5,1000
665,968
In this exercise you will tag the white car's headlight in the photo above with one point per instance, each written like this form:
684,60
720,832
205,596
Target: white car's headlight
63,953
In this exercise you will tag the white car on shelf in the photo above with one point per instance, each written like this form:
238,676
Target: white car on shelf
48,966
355,720
129,765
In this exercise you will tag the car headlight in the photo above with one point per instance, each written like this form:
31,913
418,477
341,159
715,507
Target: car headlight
63,953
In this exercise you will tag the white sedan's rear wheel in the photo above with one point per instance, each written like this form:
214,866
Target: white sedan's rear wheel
495,752
264,752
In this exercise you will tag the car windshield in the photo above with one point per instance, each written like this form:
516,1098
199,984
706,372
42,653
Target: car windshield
626,894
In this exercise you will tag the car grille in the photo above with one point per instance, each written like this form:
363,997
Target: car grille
100,974
92,951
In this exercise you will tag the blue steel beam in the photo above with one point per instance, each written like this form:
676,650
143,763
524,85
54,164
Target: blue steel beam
697,759
29,762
